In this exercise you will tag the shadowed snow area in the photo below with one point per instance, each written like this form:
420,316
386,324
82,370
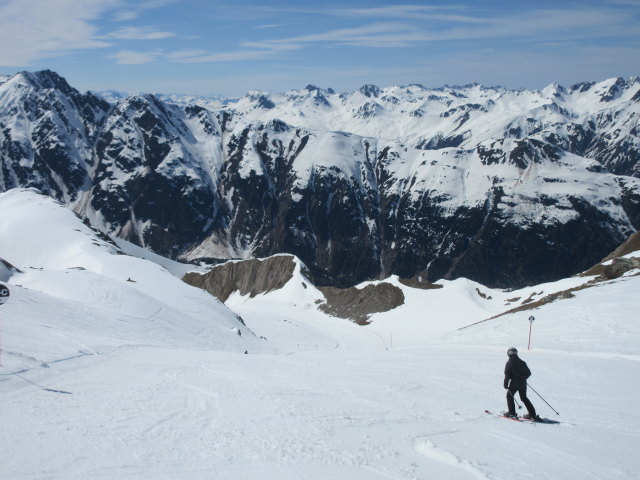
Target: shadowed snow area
114,368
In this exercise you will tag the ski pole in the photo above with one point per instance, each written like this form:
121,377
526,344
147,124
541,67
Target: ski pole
534,391
514,397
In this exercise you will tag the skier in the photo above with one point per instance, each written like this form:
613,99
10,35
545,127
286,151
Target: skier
516,373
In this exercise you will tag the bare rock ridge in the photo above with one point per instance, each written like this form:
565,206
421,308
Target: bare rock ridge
358,304
256,276
248,277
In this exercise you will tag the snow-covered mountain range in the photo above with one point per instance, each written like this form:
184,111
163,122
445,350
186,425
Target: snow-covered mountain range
503,187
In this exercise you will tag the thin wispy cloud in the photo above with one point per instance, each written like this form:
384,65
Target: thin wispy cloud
128,57
563,24
413,12
272,25
138,33
374,34
31,30
185,54
255,52
134,10
566,24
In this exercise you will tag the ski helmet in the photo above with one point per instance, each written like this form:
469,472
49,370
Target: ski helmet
512,351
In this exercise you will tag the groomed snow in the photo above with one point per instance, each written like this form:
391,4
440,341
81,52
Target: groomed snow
106,378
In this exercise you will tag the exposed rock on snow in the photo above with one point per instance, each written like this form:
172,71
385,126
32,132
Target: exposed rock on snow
259,276
358,303
631,245
248,277
628,248
620,266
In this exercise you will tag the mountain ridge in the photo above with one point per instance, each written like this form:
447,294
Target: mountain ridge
505,187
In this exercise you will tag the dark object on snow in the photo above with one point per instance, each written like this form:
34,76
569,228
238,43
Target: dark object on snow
516,373
4,294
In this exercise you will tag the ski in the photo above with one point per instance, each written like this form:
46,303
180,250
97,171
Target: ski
514,419
522,419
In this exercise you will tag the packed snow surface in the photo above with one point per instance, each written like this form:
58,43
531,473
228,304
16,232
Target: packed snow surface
113,368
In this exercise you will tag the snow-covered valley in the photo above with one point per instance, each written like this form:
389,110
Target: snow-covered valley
114,368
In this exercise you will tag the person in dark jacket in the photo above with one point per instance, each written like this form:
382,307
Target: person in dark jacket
516,373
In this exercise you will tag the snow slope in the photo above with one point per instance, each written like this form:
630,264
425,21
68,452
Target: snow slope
82,295
94,385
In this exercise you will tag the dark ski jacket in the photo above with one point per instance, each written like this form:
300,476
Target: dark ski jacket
517,371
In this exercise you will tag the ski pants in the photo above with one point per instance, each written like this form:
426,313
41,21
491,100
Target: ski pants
522,390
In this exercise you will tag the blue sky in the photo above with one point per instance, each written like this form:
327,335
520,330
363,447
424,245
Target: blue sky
229,47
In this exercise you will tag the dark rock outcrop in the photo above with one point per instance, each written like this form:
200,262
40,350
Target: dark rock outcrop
358,304
620,266
248,277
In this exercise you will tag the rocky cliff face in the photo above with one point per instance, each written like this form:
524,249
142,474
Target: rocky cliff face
247,277
503,187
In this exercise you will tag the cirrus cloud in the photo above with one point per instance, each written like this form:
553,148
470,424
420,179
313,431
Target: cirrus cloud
31,30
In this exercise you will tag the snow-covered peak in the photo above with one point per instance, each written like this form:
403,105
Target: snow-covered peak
416,115
43,80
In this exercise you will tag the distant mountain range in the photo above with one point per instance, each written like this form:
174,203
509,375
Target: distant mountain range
500,186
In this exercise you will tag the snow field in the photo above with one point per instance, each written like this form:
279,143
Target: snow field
107,378
150,412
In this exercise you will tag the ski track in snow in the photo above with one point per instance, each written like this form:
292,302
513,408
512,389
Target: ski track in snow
432,451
